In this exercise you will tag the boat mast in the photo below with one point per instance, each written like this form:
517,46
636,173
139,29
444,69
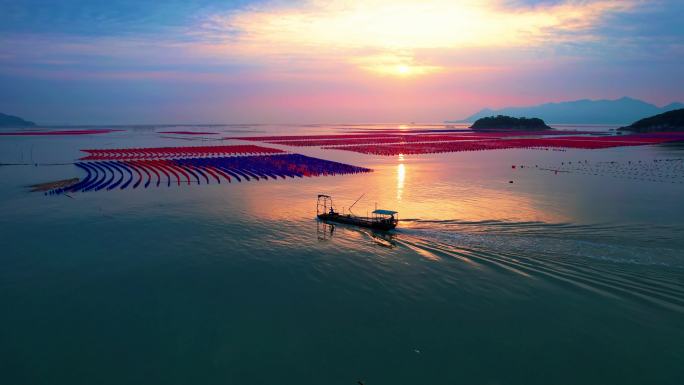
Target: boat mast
350,207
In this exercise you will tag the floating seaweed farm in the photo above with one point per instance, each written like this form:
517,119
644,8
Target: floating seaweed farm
176,152
587,143
144,167
425,143
304,137
58,132
188,132
422,136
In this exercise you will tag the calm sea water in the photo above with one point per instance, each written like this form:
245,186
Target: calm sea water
557,278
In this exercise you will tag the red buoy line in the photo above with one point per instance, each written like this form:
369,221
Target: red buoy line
394,143
176,152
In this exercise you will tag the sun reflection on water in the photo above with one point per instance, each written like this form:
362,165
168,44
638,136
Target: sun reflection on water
401,176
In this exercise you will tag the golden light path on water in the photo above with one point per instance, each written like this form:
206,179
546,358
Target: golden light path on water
415,187
401,176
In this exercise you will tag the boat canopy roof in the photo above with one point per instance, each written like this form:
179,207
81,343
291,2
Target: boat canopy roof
384,212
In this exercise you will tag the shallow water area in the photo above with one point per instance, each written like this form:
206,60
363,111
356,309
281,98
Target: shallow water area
567,268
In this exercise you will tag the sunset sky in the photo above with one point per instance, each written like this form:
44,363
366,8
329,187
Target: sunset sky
209,61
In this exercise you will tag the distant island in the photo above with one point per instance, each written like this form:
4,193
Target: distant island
668,121
619,111
14,121
510,123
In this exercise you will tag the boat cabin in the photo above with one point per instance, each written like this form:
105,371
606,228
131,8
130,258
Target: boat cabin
386,216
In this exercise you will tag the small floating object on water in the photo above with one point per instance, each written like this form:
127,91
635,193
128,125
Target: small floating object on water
510,181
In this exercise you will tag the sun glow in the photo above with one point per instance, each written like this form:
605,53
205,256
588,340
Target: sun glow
390,37
403,70
399,65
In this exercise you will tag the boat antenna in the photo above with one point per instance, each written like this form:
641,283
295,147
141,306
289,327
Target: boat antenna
350,207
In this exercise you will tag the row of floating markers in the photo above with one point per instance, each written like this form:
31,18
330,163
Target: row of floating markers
188,132
427,136
377,140
396,139
510,132
59,132
655,170
589,143
394,144
176,152
122,174
337,142
424,148
304,137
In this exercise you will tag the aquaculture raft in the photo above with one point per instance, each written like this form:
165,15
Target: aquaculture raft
134,173
176,152
396,143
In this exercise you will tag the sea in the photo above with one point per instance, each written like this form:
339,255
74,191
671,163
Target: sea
518,266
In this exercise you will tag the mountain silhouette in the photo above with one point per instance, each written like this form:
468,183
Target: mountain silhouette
619,111
14,121
667,121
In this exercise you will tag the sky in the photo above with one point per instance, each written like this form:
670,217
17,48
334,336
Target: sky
311,61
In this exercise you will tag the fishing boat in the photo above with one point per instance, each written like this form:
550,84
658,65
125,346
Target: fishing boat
380,219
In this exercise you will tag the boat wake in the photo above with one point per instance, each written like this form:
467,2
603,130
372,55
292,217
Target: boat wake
610,260
662,244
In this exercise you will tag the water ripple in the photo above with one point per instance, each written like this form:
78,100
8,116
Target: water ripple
588,257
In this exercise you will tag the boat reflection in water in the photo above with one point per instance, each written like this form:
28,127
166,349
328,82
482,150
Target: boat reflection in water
325,231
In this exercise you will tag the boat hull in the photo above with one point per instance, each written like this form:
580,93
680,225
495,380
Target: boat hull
359,221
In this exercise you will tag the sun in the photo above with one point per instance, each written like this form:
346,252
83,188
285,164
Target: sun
403,69
398,65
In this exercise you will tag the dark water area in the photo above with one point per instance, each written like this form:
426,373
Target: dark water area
572,274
